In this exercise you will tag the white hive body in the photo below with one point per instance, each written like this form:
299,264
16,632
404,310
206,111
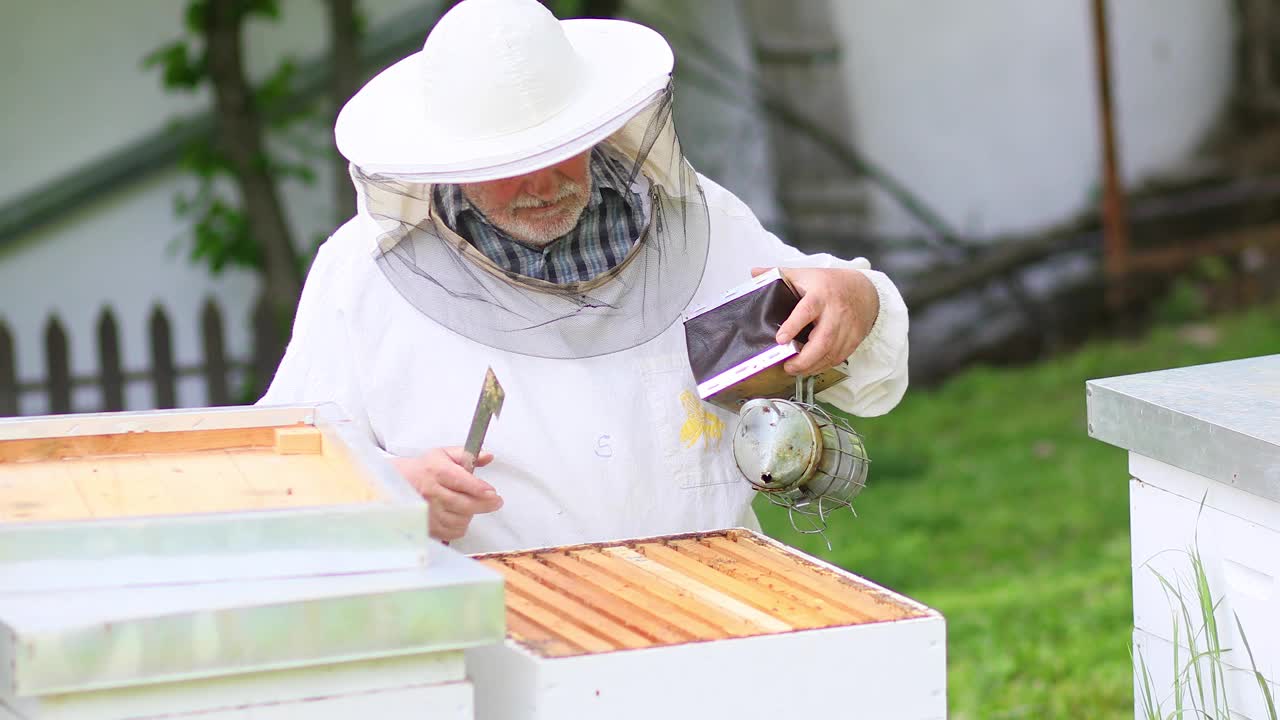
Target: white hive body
704,625
1204,446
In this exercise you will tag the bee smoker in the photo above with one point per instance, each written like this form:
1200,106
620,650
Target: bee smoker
787,446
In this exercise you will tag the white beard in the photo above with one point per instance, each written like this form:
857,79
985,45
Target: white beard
543,231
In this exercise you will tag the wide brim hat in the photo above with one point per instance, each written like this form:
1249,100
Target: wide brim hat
501,88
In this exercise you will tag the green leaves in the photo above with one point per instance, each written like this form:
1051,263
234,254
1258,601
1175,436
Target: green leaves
219,231
181,67
583,8
566,8
269,9
273,96
220,235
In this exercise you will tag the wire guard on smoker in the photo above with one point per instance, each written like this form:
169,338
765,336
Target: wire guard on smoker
801,457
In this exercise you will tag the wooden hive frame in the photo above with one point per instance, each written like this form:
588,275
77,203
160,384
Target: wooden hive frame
130,474
601,598
209,493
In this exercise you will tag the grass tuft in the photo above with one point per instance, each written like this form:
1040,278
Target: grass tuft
1263,685
1201,664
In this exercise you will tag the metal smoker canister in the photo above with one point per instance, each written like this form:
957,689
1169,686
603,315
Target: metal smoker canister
800,456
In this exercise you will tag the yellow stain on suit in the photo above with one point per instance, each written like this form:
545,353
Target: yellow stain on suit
700,423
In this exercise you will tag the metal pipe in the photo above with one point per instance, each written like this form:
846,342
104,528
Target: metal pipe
1114,223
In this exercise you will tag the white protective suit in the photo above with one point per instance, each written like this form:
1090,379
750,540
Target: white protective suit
585,449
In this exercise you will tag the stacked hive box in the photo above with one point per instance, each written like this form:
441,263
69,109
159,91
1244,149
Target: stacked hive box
1204,467
723,624
265,563
258,563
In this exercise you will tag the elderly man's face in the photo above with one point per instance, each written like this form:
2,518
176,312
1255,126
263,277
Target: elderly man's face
539,207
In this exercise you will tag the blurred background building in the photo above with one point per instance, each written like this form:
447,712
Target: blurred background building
958,145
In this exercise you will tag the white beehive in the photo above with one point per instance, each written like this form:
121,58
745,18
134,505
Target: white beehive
1204,466
232,563
724,624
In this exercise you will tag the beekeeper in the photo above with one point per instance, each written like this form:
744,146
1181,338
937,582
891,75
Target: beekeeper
524,204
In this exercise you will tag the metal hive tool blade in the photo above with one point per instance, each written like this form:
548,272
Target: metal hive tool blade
489,405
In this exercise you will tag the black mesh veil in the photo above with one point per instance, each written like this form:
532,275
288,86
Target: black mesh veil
446,278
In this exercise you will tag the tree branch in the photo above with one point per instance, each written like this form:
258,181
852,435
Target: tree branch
240,133
344,54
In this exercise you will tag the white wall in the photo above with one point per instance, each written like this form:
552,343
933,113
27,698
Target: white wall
987,108
75,87
725,140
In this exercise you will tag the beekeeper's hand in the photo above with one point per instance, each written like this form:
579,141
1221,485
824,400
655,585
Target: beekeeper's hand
454,495
843,306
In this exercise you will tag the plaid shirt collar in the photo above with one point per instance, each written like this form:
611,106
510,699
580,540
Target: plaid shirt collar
609,226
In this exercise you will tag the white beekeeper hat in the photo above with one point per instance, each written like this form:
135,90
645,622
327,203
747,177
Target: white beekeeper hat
502,88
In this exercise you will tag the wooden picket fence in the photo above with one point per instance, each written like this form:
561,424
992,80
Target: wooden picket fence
216,368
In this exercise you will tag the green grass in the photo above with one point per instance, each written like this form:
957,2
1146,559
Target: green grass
989,502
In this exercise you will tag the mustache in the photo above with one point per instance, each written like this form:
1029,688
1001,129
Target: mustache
567,190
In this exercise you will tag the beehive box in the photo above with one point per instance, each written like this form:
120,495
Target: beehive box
250,492
111,475
721,624
1204,449
236,562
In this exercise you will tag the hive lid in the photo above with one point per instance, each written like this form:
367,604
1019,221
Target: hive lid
663,591
57,642
127,499
1220,421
